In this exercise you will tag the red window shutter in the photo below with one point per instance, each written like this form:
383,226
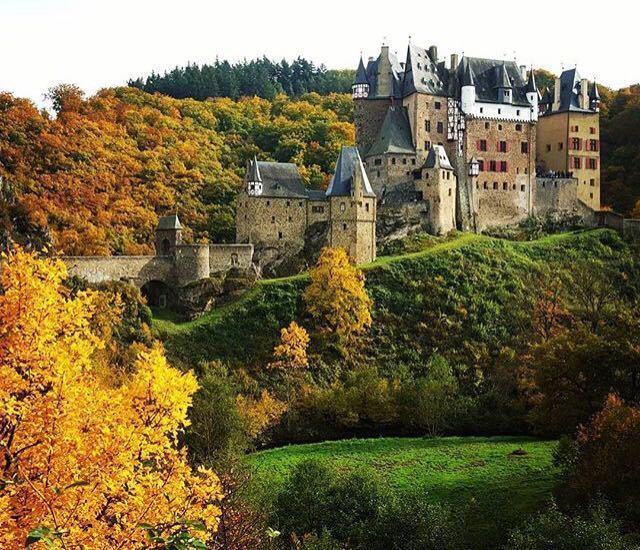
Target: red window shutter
498,146
478,145
507,147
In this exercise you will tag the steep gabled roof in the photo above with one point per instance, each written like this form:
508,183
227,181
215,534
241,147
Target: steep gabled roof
169,222
570,92
371,72
281,179
395,134
594,94
422,74
437,158
489,75
346,166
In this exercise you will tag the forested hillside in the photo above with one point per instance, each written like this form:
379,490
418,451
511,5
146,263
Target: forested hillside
98,174
259,77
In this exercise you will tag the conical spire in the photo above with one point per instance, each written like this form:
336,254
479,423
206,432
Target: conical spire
503,78
253,173
467,77
531,83
361,73
594,94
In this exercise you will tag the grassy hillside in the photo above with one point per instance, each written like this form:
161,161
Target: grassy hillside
460,295
478,476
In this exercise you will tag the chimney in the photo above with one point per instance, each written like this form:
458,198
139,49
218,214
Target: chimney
454,61
523,72
433,53
584,93
556,95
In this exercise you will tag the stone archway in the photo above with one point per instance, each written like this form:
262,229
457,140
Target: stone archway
158,295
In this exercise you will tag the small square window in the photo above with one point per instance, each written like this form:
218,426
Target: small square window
438,105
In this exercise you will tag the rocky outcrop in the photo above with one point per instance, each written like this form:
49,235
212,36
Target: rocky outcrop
204,295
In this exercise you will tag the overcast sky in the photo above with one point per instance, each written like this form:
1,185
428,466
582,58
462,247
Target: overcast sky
100,43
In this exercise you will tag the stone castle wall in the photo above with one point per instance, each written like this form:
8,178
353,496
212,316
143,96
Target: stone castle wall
428,119
191,263
138,270
272,221
223,257
555,195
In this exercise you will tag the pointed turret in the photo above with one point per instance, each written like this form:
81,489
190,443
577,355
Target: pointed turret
594,97
503,84
360,88
502,81
467,78
531,83
468,89
254,180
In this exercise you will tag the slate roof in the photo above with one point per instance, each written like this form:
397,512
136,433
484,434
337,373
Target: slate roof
437,158
593,91
253,173
169,222
395,134
570,92
281,179
348,162
531,83
489,75
361,73
423,74
372,75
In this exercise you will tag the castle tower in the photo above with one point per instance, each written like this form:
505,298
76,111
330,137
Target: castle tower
532,95
254,180
468,89
568,135
168,235
360,88
352,208
437,185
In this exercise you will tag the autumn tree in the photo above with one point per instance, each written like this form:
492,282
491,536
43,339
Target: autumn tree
605,460
336,299
290,358
84,461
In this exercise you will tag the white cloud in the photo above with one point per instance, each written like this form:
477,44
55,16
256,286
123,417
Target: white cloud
98,43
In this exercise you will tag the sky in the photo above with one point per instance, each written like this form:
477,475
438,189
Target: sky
103,43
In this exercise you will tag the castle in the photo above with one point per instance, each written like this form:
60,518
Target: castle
469,144
276,210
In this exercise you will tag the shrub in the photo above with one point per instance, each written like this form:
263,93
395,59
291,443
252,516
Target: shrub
593,530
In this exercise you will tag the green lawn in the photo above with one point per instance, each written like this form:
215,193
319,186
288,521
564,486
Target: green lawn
475,474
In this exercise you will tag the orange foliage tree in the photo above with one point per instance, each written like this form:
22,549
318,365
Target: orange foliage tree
84,462
99,173
605,461
336,299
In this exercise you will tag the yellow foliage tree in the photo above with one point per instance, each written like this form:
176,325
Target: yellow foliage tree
261,413
84,463
291,352
336,298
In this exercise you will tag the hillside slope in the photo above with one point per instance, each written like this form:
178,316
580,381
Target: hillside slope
465,297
